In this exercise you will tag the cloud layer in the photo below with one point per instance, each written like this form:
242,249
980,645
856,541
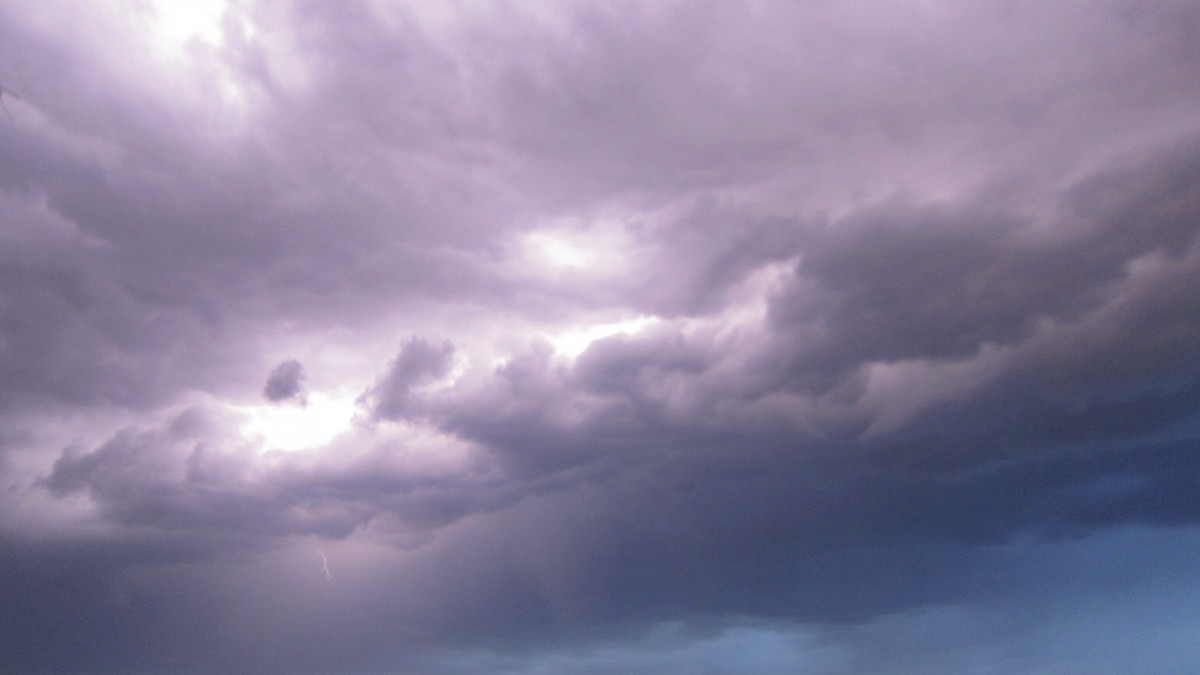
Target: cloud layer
599,337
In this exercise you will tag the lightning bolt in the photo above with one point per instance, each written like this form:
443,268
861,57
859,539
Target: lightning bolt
12,94
325,567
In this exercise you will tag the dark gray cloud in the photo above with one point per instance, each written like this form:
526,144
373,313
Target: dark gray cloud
783,337
417,363
944,281
285,381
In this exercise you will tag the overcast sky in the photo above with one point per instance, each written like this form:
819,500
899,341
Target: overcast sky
539,338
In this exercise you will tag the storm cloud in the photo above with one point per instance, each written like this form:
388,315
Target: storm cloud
285,382
586,337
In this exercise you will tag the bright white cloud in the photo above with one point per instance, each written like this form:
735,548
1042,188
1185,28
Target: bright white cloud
575,340
299,427
176,24
596,249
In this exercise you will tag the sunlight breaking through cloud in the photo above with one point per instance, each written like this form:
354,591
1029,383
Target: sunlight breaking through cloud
292,426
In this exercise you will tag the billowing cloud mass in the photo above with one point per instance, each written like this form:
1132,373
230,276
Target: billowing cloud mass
595,337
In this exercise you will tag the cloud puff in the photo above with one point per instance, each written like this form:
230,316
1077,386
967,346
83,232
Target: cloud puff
285,382
418,362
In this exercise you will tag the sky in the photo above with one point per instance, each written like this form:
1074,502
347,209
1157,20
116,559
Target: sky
378,337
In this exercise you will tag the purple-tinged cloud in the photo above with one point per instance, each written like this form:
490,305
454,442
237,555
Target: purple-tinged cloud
780,337
417,363
286,381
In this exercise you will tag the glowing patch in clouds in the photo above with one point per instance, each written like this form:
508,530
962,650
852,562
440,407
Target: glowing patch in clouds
557,251
183,35
601,247
573,342
292,427
179,22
